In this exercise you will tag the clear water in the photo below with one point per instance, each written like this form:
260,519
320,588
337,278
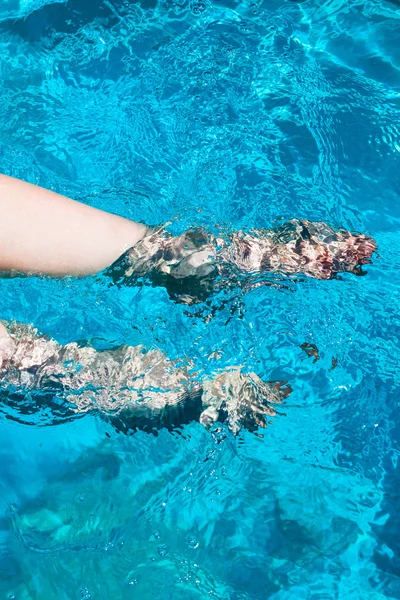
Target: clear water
216,113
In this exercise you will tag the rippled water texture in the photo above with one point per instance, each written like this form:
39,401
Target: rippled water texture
230,115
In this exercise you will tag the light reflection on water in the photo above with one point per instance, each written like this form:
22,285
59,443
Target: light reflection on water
216,114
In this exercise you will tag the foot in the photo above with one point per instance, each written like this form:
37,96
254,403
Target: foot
314,249
241,400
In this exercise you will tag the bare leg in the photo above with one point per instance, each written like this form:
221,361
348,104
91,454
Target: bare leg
194,264
43,232
134,388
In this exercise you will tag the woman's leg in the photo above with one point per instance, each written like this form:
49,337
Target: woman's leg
194,264
43,232
133,387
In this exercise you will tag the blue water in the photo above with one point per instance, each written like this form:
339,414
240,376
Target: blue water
221,114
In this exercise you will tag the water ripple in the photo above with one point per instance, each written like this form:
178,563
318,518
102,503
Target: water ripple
225,115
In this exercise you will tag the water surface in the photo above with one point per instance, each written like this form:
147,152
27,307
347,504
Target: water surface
228,115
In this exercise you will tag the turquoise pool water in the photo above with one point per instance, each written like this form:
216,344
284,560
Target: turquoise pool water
230,114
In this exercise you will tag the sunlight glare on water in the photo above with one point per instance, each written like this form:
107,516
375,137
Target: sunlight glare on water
226,115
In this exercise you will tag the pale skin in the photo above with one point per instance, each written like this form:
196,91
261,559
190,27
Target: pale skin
43,232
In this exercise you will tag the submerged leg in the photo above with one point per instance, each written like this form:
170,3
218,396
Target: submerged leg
43,232
194,264
133,387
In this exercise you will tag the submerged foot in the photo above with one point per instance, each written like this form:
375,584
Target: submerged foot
299,246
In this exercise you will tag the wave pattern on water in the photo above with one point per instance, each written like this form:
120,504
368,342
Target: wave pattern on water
227,115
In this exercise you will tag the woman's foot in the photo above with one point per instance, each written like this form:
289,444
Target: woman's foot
311,248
